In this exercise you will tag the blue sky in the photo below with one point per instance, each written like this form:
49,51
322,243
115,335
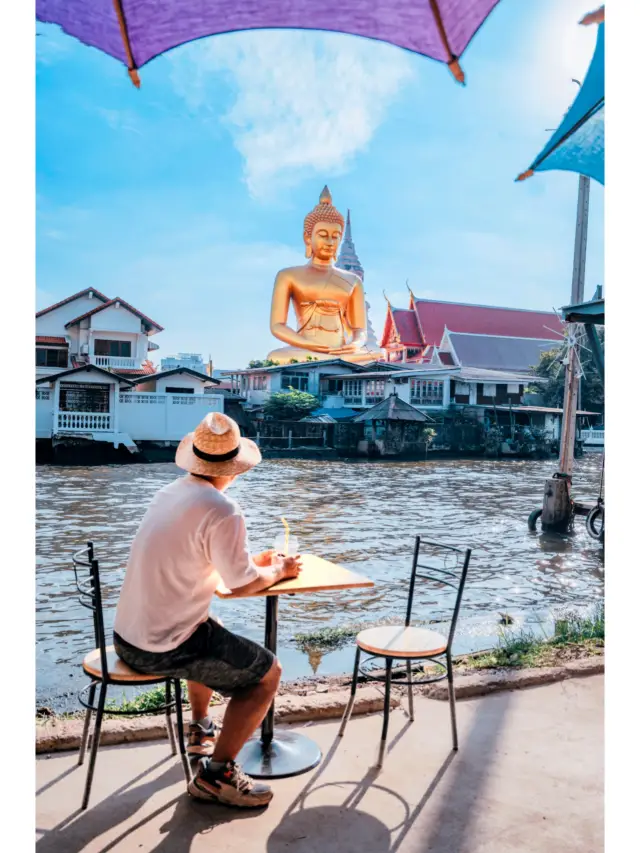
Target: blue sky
186,197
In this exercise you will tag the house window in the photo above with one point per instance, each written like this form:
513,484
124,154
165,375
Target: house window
413,351
259,383
177,390
84,397
352,391
297,381
51,357
426,392
115,349
374,391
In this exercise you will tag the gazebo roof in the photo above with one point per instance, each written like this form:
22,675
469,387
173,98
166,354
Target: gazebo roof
393,409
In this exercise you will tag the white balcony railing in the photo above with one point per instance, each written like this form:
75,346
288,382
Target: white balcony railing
115,362
83,422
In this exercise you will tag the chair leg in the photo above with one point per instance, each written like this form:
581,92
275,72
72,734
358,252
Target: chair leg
180,726
95,743
87,723
452,703
170,731
352,698
410,681
387,704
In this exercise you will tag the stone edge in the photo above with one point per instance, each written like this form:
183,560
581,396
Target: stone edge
60,734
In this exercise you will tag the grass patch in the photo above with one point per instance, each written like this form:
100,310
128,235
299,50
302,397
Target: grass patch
574,636
325,639
150,701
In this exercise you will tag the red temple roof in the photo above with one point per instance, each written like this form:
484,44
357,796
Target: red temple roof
424,323
484,320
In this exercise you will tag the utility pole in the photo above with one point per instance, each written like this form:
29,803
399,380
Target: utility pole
556,508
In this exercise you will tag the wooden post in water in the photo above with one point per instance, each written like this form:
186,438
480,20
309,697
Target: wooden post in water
556,507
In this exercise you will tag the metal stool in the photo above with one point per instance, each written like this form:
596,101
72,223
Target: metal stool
105,668
410,644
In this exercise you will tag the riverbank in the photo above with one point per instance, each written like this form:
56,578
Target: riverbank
311,700
520,660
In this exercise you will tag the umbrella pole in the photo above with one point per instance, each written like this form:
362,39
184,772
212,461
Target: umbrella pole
557,508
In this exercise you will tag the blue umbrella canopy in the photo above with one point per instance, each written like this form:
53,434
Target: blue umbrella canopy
578,144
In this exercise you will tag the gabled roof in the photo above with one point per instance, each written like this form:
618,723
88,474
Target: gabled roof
145,371
392,409
85,368
499,353
52,339
108,304
435,316
161,375
408,329
75,296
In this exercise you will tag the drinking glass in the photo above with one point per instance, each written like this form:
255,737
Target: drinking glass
280,543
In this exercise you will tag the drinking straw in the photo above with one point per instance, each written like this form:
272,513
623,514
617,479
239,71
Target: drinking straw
286,536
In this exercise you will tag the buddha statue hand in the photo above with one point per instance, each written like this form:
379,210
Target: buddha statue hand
359,339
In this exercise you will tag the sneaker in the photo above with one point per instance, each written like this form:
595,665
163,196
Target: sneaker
201,740
229,785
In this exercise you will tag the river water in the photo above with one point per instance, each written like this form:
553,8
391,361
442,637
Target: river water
361,514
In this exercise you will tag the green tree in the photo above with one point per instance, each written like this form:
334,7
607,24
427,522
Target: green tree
290,405
267,362
551,368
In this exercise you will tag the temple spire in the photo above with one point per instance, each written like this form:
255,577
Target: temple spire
348,258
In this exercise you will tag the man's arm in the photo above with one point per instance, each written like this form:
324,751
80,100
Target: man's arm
227,549
282,569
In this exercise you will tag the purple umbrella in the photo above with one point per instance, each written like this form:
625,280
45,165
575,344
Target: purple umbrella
136,31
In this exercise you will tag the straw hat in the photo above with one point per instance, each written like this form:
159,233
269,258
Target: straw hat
215,449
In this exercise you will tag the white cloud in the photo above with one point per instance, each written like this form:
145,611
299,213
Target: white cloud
304,101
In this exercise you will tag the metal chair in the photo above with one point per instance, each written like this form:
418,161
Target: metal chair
410,644
105,668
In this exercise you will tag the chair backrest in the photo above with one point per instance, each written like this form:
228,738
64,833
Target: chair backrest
91,596
443,565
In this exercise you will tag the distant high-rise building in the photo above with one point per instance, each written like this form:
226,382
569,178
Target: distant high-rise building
191,360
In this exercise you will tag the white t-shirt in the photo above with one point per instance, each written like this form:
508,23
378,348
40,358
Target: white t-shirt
191,536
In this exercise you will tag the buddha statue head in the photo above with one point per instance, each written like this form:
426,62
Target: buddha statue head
323,229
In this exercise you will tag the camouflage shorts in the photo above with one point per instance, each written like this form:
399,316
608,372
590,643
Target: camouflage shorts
212,656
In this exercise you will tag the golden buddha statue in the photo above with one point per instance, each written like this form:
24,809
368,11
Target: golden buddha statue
329,302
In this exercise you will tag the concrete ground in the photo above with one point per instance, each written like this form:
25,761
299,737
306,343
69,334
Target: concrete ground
528,778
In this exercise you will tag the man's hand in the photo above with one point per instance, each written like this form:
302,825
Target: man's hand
279,569
291,567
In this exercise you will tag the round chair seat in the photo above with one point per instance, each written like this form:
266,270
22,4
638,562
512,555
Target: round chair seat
400,642
118,669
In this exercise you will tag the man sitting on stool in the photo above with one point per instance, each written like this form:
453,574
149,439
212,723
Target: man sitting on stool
192,537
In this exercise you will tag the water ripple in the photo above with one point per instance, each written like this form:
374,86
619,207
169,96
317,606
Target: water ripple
362,515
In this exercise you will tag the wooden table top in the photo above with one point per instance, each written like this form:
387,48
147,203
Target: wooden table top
316,575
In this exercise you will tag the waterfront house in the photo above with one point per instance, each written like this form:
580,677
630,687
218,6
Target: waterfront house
257,384
346,390
95,385
88,328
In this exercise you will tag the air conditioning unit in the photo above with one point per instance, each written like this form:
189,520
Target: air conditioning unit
84,349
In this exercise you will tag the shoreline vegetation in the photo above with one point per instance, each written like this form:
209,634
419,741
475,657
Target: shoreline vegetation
575,637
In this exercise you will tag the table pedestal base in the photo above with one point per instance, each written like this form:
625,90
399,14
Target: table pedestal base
288,755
